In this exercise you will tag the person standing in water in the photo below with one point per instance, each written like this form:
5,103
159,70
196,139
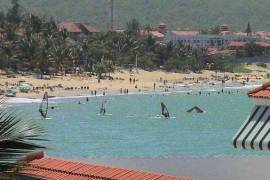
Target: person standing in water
103,109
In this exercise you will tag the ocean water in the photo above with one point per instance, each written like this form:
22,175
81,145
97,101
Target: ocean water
133,126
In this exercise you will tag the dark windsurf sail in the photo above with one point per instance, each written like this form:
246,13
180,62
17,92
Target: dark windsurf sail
43,107
195,109
164,110
103,109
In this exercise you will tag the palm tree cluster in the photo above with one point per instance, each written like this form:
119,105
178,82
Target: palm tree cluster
34,44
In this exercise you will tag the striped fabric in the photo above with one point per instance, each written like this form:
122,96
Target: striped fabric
255,132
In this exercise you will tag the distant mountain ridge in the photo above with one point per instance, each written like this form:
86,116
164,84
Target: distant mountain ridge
188,14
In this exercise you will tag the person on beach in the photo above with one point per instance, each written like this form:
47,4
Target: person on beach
134,80
130,80
127,91
104,93
154,86
95,92
121,91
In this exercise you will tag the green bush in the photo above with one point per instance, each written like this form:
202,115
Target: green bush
261,64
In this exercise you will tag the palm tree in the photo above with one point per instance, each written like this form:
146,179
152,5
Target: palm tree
28,51
18,137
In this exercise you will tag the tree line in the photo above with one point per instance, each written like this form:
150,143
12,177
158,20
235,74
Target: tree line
36,44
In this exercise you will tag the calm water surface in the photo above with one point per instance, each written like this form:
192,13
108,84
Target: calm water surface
134,128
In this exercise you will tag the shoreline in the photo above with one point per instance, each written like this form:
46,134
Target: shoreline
192,89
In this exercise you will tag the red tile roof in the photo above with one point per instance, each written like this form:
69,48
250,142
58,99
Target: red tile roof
157,34
185,33
77,27
242,44
262,33
90,29
49,168
236,44
70,27
263,44
261,92
240,33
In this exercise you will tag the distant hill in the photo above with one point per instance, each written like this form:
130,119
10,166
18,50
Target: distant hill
193,14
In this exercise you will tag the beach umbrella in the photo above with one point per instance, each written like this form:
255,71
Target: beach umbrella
24,87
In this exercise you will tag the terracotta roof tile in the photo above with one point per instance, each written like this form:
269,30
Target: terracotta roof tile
240,33
77,27
263,44
157,34
90,28
236,44
261,92
185,33
70,27
49,168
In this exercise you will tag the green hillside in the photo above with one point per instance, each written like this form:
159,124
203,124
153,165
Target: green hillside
195,14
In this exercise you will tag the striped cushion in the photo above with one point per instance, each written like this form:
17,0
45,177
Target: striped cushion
255,132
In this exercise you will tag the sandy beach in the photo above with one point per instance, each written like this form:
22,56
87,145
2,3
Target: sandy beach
138,81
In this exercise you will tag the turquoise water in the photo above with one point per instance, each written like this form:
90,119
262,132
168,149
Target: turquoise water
134,128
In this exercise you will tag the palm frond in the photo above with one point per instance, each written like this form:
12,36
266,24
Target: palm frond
18,137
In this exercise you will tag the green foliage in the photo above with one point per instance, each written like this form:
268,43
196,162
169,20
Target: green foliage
211,31
100,68
45,49
235,68
261,64
252,49
133,27
248,30
14,13
17,138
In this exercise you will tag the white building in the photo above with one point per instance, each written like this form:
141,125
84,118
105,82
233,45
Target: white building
204,41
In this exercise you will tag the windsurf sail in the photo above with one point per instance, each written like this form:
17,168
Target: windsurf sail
164,110
195,109
103,109
43,107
